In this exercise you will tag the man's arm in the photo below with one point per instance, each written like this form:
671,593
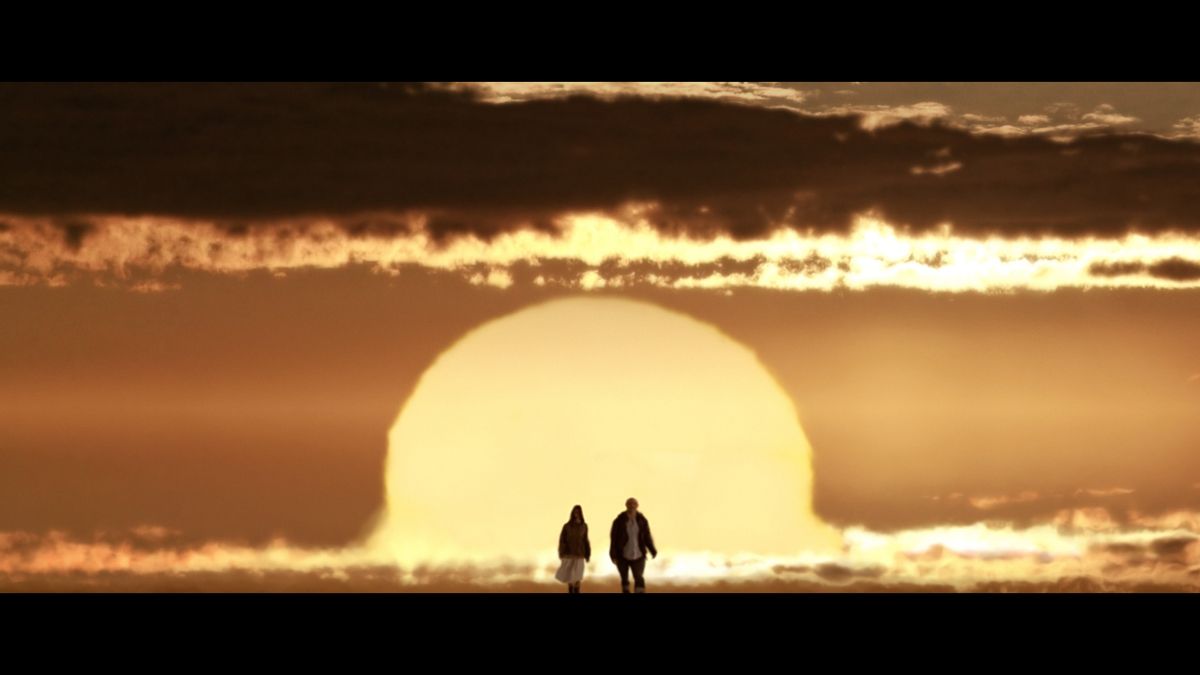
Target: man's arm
650,540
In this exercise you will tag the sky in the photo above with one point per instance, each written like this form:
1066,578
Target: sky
978,301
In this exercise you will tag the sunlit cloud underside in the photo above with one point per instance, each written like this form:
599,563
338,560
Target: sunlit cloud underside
593,251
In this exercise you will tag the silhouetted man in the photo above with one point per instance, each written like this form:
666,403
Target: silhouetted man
630,541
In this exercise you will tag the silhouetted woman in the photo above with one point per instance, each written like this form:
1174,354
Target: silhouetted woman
574,550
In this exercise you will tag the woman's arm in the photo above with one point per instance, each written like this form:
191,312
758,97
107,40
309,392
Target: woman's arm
587,545
562,542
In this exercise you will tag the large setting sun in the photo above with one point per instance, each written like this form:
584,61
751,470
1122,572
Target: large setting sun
590,401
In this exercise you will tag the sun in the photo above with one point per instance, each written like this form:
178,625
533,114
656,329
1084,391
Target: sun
590,401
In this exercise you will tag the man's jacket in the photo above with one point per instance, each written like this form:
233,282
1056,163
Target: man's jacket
620,537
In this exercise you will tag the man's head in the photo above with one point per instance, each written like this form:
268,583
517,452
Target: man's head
631,506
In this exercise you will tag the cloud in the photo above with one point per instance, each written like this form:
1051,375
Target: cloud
1179,553
1107,115
1084,510
1188,127
1175,269
1116,268
593,252
874,117
1104,492
936,170
119,184
1064,123
384,580
74,233
1172,520
1171,269
1085,519
992,501
455,164
1161,551
1003,130
495,277
154,533
836,573
737,92
1182,550
976,119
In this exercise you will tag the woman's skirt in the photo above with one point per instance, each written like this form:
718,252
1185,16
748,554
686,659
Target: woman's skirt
570,571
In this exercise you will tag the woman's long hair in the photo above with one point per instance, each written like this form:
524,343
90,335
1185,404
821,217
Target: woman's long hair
574,509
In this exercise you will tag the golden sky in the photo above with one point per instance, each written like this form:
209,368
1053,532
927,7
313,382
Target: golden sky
946,330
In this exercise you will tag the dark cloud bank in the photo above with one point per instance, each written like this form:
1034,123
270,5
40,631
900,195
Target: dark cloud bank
244,153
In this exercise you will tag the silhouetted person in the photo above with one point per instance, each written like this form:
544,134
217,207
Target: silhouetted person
630,541
574,550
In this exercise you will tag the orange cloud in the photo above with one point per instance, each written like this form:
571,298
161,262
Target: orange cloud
738,92
991,502
1104,492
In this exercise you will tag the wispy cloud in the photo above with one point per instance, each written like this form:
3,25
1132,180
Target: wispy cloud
593,252
1060,121
1188,127
1104,492
879,116
992,501
760,93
